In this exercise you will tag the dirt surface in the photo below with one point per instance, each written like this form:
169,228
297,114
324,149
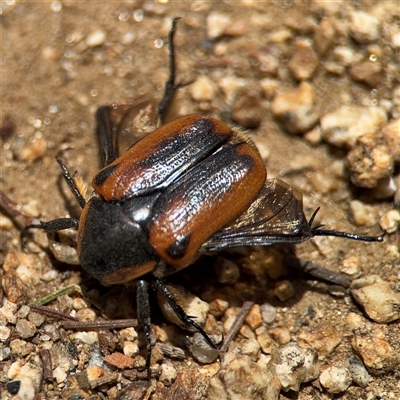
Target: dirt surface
62,60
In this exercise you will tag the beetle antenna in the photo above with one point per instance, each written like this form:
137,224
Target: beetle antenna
170,86
327,232
317,231
71,182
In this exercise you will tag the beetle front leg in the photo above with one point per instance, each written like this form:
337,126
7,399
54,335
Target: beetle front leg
143,309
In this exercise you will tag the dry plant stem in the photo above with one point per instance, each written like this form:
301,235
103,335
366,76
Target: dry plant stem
90,325
52,313
13,208
246,307
47,365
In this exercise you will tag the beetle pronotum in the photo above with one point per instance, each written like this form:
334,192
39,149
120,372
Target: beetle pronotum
192,186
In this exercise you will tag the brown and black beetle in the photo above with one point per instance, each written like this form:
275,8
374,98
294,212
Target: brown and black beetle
192,186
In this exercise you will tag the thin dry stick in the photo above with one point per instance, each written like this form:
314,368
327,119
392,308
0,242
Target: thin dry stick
238,323
47,365
90,325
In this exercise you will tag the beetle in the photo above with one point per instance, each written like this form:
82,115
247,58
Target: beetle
193,186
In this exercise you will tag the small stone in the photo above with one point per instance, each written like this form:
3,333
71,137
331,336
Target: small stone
371,343
359,374
52,331
26,329
254,319
227,271
96,38
324,36
23,311
202,351
250,348
86,337
13,387
203,89
304,62
34,151
324,338
171,351
241,379
335,379
390,221
128,334
342,127
386,188
350,266
269,87
268,313
247,110
119,360
216,24
296,109
247,332
367,72
370,160
59,375
36,318
363,214
8,311
289,367
344,55
284,290
364,27
281,335
131,349
268,345
391,132
168,374
379,301
218,307
327,7
5,353
4,333
191,304
86,314
64,253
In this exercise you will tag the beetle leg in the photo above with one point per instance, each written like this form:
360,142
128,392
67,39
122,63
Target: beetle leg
178,310
171,86
107,137
143,309
71,183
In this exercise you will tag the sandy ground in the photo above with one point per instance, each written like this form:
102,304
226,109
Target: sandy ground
62,60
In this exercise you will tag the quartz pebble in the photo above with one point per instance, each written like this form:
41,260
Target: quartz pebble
25,329
390,221
168,374
268,313
380,302
216,24
202,351
304,61
343,126
364,27
203,89
254,319
324,338
359,374
368,72
370,160
371,344
243,379
96,38
335,379
296,109
363,214
295,366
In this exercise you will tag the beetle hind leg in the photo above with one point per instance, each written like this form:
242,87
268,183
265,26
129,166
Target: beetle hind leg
179,311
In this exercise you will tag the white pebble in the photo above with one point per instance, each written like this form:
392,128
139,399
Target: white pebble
96,38
335,379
